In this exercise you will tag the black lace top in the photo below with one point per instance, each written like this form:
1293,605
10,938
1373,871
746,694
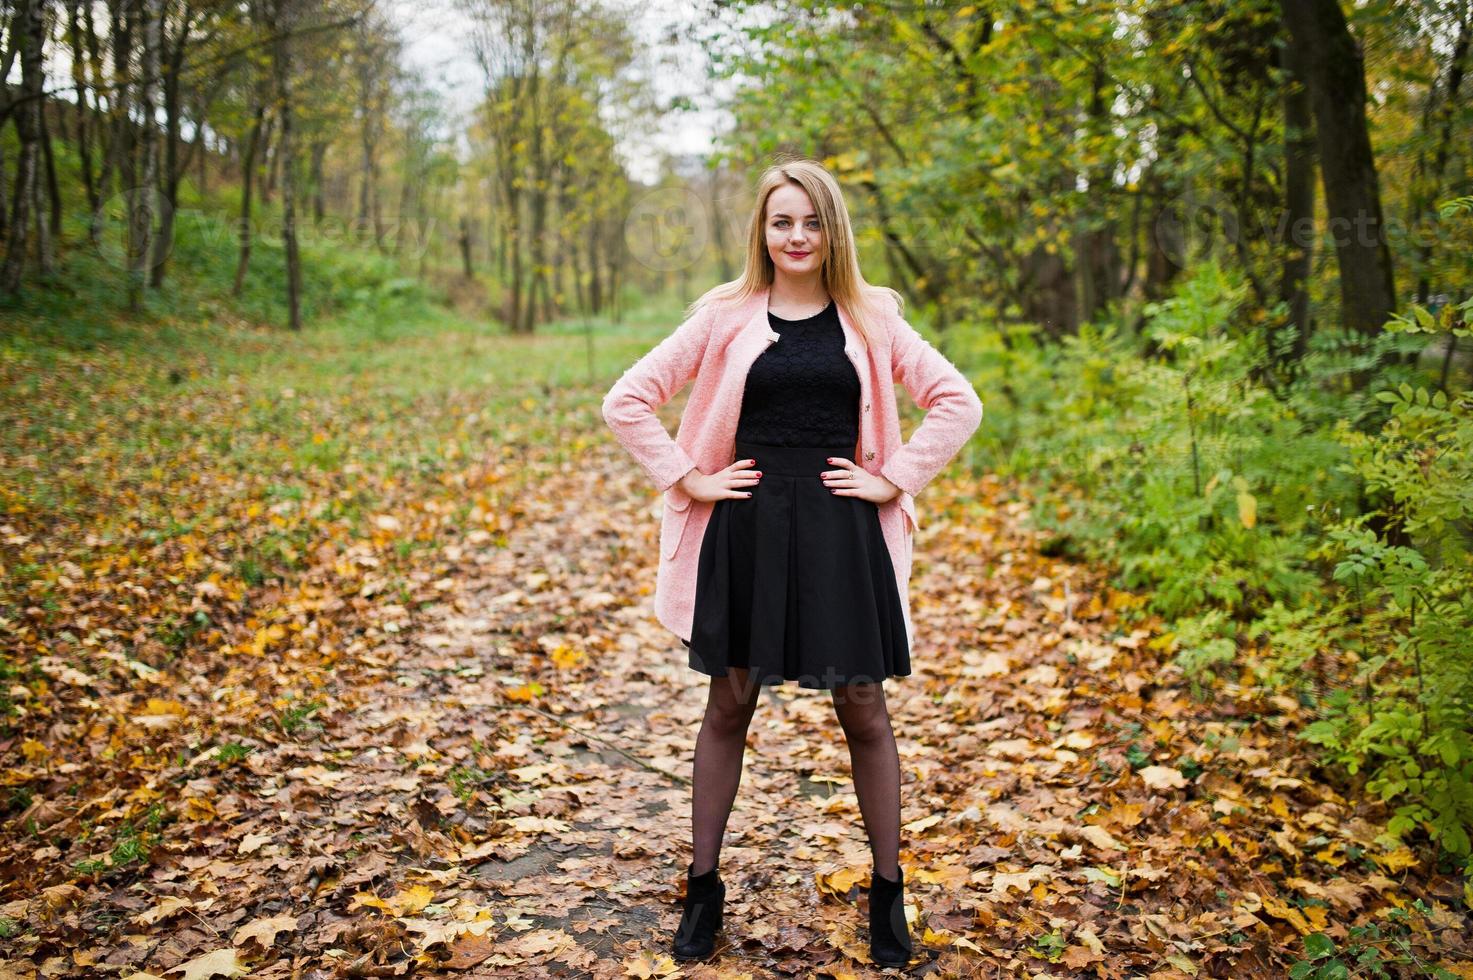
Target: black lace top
802,390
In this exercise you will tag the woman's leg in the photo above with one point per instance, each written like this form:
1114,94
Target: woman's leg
720,747
876,768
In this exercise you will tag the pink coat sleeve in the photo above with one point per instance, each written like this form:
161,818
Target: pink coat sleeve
953,409
629,407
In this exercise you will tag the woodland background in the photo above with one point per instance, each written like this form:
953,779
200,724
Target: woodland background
295,361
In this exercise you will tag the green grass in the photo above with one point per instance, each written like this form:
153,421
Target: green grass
201,443
97,401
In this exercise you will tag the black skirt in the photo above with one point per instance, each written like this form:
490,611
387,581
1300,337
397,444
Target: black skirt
795,582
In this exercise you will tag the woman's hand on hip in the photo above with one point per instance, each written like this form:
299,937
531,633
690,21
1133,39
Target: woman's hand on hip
729,481
852,480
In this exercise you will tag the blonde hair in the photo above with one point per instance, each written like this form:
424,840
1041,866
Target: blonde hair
839,265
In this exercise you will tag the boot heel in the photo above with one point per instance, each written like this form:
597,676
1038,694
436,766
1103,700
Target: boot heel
700,916
889,933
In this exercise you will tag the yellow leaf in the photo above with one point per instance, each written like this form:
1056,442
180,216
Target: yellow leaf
164,909
264,931
525,692
220,963
1100,837
916,826
648,965
1397,860
1183,963
1287,912
838,883
1330,855
367,900
539,825
160,714
410,900
1162,777
251,843
266,636
564,656
1247,509
1003,881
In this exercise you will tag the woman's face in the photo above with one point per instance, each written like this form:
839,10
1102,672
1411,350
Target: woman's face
794,239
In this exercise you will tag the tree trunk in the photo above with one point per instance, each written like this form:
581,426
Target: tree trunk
368,141
122,16
281,20
1332,64
248,178
173,171
29,27
595,286
48,219
1099,259
1296,240
142,200
463,240
1427,188
319,202
80,64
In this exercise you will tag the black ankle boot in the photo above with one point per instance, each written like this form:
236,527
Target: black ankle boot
889,934
700,916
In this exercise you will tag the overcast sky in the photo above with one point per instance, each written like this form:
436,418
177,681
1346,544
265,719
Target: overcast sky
435,35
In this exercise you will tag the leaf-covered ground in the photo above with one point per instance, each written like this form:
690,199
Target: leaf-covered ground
436,731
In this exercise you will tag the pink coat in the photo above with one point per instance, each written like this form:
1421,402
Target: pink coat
715,347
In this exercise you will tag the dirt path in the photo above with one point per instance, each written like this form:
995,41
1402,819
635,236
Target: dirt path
502,792
1068,809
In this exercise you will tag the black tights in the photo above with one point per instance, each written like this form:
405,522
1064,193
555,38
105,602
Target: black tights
722,743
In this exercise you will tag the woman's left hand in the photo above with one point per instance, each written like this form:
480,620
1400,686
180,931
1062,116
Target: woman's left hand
852,480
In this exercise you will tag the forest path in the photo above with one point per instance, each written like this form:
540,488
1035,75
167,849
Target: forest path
490,779
1067,806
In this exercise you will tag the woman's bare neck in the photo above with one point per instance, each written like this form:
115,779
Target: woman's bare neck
795,299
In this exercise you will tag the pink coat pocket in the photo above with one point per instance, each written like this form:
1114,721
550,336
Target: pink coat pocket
908,508
674,516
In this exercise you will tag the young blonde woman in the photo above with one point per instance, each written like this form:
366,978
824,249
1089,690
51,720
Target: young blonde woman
785,535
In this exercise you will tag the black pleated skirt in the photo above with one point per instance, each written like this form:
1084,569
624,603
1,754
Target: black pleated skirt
795,582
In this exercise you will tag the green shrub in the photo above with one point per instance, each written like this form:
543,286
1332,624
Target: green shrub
1320,521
